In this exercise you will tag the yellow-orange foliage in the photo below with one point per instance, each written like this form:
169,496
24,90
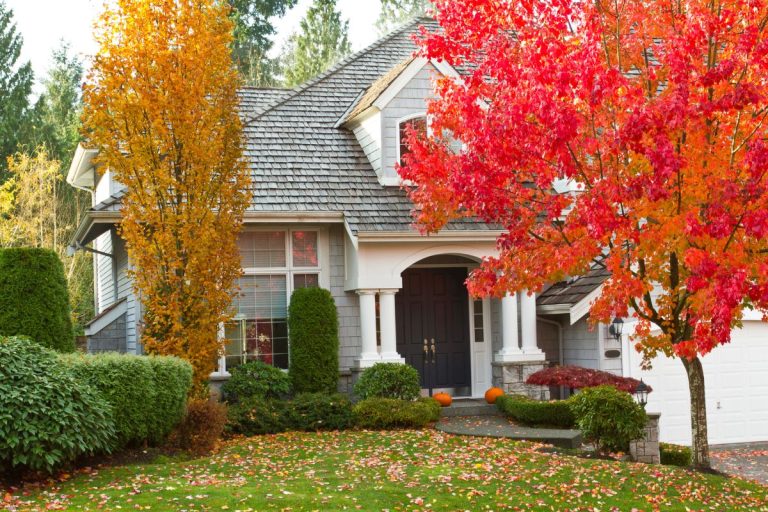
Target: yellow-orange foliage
161,106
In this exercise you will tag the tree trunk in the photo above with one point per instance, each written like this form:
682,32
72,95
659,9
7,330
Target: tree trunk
700,448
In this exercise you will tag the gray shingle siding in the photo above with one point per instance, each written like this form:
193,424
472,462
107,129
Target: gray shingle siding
580,347
110,339
347,303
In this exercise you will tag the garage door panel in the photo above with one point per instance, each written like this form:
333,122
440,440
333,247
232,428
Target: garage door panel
736,375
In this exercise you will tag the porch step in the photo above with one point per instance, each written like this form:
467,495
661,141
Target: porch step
469,408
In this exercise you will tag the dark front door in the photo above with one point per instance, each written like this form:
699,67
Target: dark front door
433,307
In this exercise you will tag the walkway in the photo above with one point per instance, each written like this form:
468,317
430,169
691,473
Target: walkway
485,421
748,461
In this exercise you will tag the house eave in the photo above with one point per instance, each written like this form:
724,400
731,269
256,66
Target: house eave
442,236
82,163
313,217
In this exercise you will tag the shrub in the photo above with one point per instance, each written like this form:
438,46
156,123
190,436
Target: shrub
147,393
313,412
47,417
389,380
256,378
256,415
556,413
675,454
576,377
34,300
202,426
314,349
608,417
390,413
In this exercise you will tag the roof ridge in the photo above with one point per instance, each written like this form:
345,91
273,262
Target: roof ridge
340,65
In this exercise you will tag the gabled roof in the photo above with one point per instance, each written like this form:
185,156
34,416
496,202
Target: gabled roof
375,90
301,160
572,291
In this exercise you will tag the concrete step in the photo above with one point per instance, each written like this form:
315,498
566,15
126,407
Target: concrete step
469,408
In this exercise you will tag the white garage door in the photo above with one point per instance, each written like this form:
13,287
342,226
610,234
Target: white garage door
736,377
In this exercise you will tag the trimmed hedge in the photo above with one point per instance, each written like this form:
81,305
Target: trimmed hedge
556,413
34,300
389,380
47,416
314,349
608,417
256,378
391,413
675,455
314,412
256,415
148,394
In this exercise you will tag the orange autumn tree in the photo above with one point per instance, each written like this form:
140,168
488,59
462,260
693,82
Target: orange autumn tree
161,106
629,135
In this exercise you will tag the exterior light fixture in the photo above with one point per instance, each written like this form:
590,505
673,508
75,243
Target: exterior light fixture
641,393
616,327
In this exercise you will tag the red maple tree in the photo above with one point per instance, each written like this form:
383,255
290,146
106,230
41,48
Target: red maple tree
624,134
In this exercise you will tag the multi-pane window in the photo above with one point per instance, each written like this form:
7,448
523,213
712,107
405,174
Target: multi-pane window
477,313
419,124
274,264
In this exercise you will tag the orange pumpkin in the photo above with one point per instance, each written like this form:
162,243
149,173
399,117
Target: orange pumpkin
443,398
492,394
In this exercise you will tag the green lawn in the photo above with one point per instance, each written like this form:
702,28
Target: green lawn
406,470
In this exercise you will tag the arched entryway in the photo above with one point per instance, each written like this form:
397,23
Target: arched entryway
436,324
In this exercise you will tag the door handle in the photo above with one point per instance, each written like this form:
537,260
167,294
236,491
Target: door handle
426,349
434,350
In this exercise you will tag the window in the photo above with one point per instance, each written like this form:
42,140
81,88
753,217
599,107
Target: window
477,312
419,123
274,264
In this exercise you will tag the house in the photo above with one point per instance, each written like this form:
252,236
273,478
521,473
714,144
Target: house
328,211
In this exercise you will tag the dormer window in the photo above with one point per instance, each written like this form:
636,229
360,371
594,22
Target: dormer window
419,123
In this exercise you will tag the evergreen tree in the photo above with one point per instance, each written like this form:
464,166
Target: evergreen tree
397,12
15,88
57,112
252,38
322,42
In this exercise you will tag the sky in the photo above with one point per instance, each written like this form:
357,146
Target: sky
44,23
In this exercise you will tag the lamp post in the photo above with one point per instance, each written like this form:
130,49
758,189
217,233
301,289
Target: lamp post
616,327
641,393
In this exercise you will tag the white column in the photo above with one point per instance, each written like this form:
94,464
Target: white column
369,354
528,324
510,349
388,326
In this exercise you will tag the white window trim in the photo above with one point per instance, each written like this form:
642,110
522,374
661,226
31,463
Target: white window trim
323,271
402,120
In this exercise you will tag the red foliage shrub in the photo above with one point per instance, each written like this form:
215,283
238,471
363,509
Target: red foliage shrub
202,427
576,377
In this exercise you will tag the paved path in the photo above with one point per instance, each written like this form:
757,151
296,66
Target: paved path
498,426
748,461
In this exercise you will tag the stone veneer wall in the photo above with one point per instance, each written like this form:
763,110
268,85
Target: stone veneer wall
511,378
647,449
111,338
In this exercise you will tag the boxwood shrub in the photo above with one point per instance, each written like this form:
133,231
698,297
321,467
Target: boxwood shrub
608,417
388,380
257,415
34,300
312,412
556,413
256,378
391,413
147,393
675,454
47,416
314,349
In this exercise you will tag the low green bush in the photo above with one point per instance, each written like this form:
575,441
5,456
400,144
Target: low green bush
675,454
608,417
313,324
556,413
256,415
391,413
389,380
47,416
34,299
258,379
147,393
313,412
